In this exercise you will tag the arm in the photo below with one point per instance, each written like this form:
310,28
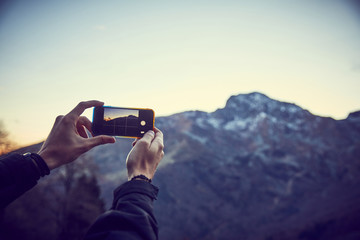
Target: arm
66,141
131,215
17,175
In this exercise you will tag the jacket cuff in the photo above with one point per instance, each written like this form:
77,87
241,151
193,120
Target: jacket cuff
136,186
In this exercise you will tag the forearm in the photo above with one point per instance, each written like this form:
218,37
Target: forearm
18,174
131,216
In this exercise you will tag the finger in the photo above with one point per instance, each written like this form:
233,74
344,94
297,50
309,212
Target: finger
135,141
86,123
158,134
81,130
148,137
158,141
99,140
82,106
157,130
81,124
58,119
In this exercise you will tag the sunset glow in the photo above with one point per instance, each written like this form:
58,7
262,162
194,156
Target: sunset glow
173,56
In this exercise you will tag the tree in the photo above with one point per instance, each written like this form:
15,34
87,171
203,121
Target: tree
6,145
62,206
83,206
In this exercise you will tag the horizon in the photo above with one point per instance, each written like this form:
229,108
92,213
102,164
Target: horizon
87,114
173,57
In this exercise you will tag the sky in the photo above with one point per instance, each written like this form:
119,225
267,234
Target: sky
173,56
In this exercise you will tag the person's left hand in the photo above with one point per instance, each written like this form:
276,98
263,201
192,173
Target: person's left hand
146,154
68,139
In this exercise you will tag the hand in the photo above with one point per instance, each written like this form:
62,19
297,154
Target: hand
145,155
68,140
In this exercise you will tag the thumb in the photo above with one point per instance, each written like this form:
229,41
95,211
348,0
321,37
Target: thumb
148,136
99,140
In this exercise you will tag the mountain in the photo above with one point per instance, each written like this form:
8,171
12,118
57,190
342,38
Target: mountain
259,169
255,169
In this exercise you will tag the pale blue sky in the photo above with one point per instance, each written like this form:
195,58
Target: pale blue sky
173,56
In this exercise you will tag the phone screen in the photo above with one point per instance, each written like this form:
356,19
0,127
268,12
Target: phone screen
127,122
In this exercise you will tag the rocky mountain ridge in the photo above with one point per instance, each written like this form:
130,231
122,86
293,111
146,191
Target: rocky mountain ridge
255,169
258,169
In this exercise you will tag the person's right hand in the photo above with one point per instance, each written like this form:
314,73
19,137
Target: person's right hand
146,155
68,139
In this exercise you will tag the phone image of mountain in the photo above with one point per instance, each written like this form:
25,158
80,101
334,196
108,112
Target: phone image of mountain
122,126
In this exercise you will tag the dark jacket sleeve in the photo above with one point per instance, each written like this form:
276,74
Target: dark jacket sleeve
131,215
17,175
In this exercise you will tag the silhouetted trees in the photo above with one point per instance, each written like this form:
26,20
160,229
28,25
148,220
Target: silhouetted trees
6,145
62,206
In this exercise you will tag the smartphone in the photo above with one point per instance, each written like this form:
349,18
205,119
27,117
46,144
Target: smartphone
122,122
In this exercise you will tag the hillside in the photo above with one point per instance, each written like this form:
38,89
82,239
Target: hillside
255,169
